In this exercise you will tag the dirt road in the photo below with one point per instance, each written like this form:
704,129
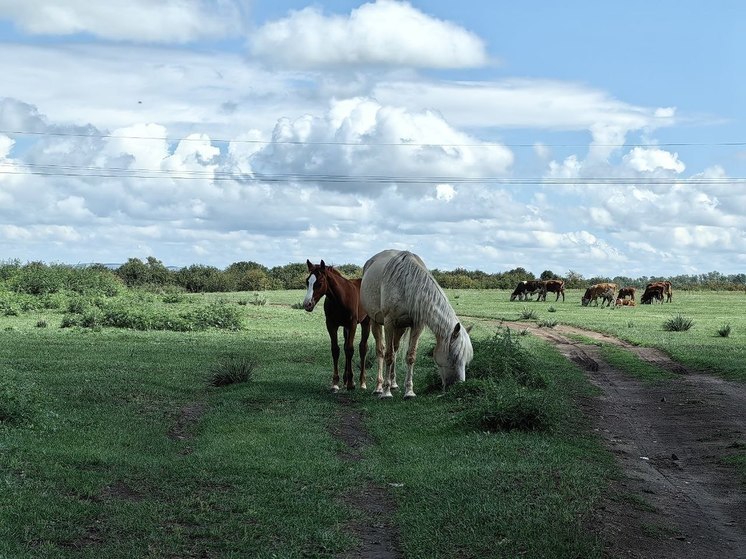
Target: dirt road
677,499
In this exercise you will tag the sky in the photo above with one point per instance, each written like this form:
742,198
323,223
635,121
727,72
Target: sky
601,138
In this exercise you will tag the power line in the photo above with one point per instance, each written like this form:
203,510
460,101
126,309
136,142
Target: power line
375,144
221,176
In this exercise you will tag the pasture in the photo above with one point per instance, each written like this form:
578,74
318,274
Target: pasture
115,443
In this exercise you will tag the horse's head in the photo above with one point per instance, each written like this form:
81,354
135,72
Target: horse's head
452,354
316,283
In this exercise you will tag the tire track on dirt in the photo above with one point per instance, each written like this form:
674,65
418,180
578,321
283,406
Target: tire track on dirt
378,535
677,499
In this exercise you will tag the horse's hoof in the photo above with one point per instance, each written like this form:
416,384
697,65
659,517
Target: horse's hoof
363,387
378,391
335,389
386,395
394,386
409,395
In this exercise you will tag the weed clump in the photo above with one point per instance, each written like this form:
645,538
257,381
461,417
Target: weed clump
504,389
232,371
528,314
724,330
678,323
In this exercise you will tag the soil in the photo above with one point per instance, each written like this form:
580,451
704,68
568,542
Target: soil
378,535
676,497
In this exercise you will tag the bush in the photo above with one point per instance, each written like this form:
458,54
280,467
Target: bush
678,323
725,330
488,406
502,357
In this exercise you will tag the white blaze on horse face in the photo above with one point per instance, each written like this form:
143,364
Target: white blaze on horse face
308,302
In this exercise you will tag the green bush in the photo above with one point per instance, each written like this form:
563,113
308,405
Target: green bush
505,407
678,323
528,314
502,357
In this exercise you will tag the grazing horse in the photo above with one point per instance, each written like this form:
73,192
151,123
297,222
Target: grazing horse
341,308
399,293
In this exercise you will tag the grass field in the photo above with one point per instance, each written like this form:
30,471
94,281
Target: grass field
116,445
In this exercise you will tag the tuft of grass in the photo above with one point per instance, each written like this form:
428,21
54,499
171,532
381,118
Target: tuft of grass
528,314
551,309
259,300
678,323
232,371
548,323
41,324
724,330
297,306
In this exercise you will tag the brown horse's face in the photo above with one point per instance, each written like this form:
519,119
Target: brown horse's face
316,284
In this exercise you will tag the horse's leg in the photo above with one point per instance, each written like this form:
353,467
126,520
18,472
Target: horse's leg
363,349
335,355
414,339
349,335
377,330
393,337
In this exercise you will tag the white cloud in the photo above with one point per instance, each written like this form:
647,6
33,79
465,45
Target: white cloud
643,160
381,33
164,21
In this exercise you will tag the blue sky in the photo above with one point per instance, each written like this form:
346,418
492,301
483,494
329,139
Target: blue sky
601,138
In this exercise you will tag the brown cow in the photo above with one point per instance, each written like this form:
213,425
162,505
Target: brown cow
624,302
667,289
555,286
525,289
653,292
625,292
599,290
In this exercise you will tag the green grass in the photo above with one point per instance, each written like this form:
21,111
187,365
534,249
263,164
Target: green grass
628,362
701,347
120,447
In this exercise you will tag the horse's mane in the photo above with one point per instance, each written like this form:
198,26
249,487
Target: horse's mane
424,299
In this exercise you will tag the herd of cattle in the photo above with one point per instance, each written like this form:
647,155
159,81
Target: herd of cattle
654,292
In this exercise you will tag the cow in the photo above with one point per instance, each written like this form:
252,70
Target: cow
624,302
525,289
599,290
653,292
625,292
667,289
555,286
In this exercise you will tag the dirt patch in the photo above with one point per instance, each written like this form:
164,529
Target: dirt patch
677,499
377,533
187,417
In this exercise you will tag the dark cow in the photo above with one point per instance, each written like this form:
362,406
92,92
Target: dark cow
667,288
653,292
625,292
555,286
603,290
525,289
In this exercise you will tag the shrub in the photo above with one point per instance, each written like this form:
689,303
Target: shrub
259,299
503,407
232,371
528,314
502,357
548,323
678,323
725,330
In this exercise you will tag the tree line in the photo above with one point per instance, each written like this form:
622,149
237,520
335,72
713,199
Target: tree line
40,278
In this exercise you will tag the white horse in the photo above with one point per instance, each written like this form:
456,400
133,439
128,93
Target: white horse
398,292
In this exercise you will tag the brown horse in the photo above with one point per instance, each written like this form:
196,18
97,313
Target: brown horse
342,308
